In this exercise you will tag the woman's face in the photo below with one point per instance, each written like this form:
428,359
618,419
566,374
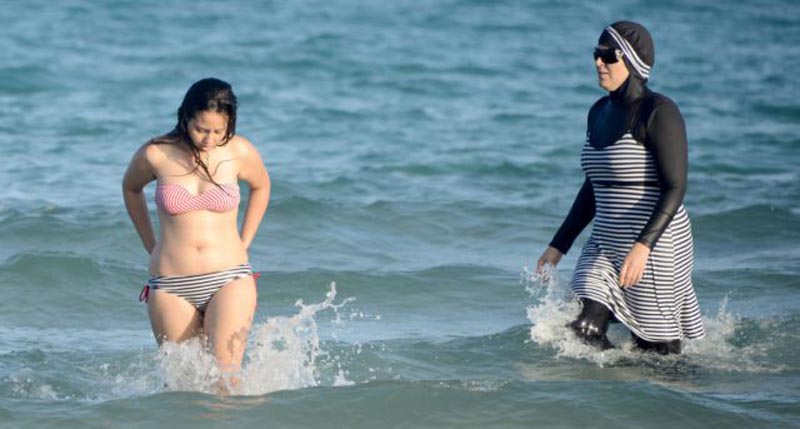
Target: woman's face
207,129
610,76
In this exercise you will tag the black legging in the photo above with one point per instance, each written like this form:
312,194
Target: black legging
592,324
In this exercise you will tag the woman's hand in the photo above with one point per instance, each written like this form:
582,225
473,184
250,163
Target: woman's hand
633,268
550,256
140,172
253,172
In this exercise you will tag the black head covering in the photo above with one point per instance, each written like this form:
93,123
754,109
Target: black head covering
635,43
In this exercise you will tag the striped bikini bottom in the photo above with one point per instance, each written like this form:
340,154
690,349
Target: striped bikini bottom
196,289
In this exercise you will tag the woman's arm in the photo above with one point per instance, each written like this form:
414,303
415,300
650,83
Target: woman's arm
666,139
140,172
583,208
255,174
581,213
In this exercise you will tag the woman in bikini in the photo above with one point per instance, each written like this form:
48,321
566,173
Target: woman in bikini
201,282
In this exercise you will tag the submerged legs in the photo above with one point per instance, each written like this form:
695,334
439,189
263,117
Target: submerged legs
592,324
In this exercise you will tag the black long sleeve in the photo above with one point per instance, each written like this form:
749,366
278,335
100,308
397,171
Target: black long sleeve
581,213
666,139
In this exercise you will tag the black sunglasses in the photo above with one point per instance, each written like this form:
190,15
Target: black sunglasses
608,55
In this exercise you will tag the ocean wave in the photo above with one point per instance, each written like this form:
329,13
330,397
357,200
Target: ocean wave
789,113
26,80
47,285
479,167
754,225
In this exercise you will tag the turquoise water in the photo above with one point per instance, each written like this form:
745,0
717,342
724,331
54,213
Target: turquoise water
422,155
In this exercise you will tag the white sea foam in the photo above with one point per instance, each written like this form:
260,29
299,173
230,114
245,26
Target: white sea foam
717,351
284,353
27,384
552,307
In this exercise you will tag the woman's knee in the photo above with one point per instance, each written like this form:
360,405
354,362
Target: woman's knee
228,318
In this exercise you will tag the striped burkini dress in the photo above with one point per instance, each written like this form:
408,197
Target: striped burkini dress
663,306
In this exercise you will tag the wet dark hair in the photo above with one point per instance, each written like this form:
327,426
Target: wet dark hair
205,95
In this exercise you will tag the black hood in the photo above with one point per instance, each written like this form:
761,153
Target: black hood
635,43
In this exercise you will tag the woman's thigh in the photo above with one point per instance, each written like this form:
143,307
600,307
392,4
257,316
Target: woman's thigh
172,317
228,318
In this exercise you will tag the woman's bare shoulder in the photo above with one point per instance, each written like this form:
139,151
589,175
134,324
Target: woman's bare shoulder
241,146
159,148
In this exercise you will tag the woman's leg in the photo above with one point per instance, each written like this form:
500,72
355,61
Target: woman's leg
227,323
172,317
592,324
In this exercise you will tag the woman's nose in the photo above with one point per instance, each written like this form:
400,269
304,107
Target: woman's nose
598,62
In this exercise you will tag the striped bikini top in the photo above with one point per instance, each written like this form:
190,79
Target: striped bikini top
175,199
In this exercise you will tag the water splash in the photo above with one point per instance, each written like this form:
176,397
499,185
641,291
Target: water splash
186,366
719,351
283,354
285,350
27,384
552,307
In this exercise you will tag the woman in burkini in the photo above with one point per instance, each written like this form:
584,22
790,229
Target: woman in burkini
201,281
636,266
